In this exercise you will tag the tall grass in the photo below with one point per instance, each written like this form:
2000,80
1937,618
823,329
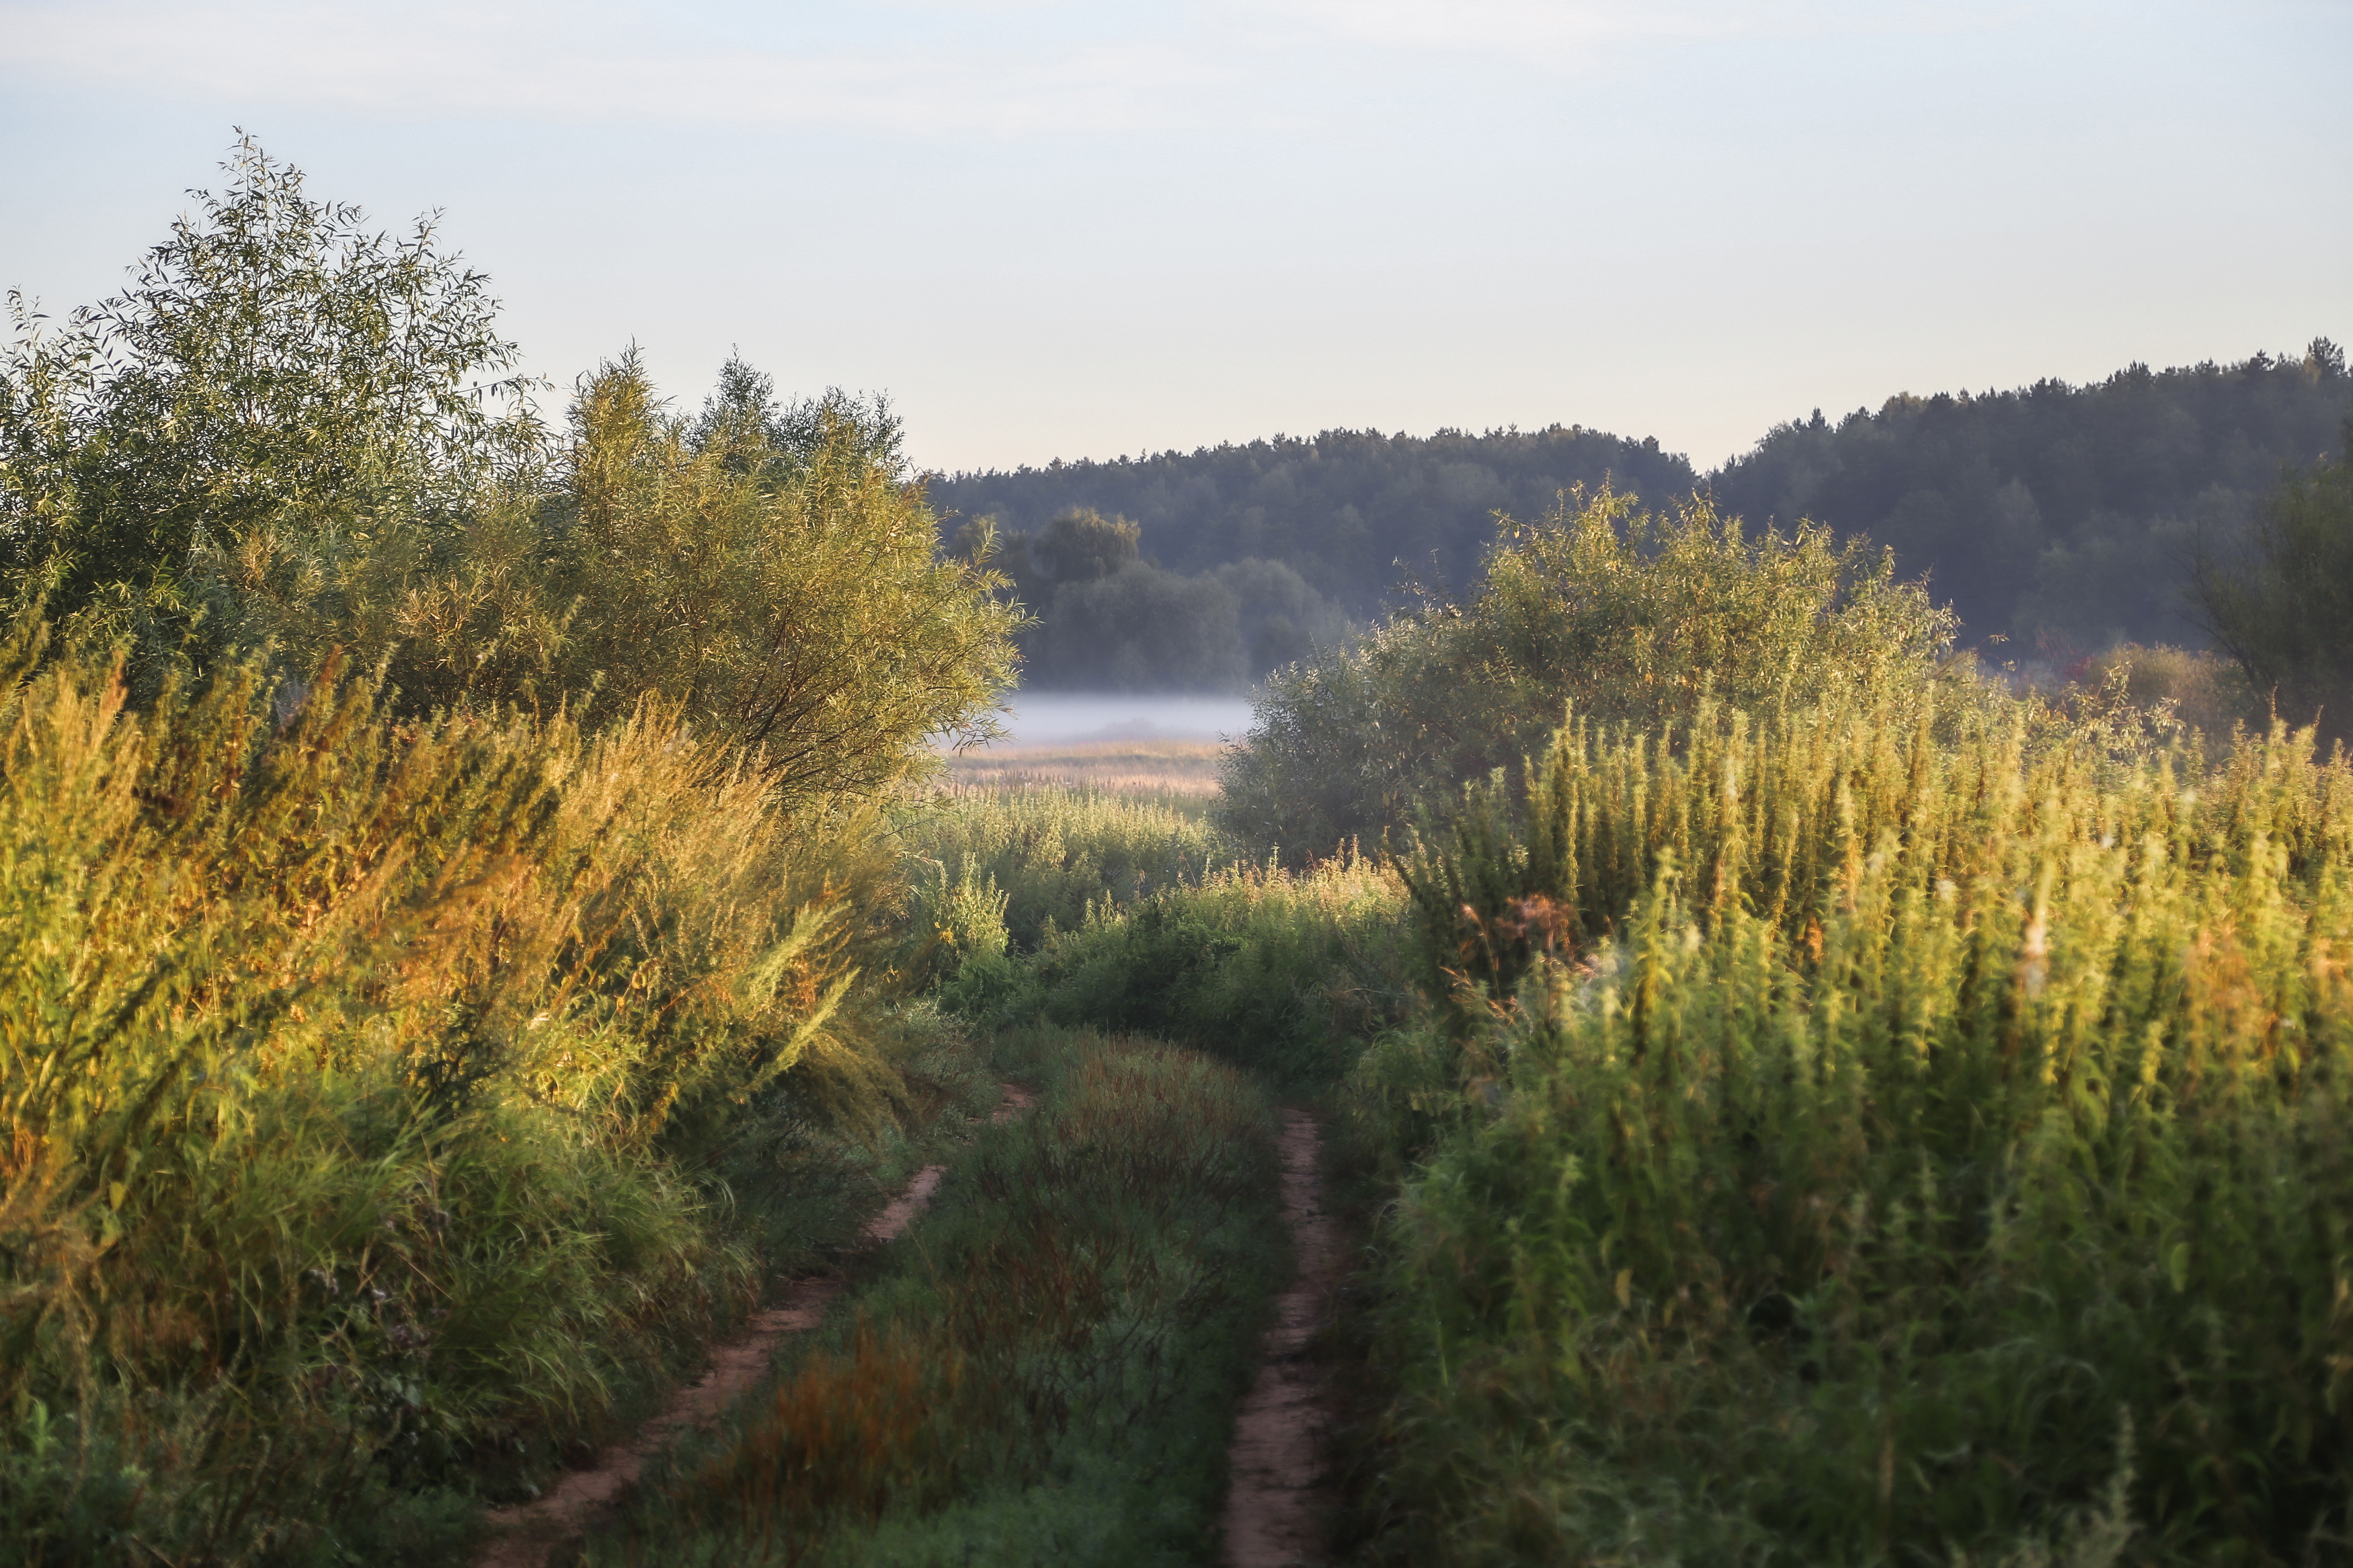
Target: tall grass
1048,853
1854,1141
1046,1369
355,1076
1281,972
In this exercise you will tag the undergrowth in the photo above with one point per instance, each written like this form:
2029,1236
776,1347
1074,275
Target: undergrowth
1278,971
1043,855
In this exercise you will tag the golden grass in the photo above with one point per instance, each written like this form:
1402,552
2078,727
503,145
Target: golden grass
1128,767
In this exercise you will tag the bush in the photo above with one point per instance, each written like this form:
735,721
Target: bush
1280,971
279,439
1623,614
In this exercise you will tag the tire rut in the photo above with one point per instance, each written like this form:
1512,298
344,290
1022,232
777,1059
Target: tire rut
1278,1510
526,1534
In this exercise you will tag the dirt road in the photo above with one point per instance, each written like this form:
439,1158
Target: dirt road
525,1534
1279,1510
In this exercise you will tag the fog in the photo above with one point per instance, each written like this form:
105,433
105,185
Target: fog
1035,717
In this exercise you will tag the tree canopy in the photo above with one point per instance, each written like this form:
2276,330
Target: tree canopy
2281,604
1603,609
294,433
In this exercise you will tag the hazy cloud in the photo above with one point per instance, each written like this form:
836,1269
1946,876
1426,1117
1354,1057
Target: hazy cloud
920,67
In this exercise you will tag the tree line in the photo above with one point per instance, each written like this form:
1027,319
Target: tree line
2057,518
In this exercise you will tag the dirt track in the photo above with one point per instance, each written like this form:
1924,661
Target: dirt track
526,1534
1279,1510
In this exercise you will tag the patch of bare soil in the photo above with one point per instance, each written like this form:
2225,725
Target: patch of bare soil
1279,1510
526,1534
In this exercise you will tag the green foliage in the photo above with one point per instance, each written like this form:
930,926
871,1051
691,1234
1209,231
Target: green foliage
355,1076
2192,688
1052,852
2284,609
1343,510
798,608
2055,509
1084,546
276,372
1843,1126
1046,1370
1626,614
1281,971
1110,621
1127,915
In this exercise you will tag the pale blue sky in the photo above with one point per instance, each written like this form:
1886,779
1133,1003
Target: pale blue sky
1065,231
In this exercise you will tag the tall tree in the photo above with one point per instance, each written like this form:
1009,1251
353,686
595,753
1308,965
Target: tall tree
277,366
2282,602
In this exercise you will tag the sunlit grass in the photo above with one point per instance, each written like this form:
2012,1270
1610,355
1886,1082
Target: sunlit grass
1861,1140
1174,773
360,1086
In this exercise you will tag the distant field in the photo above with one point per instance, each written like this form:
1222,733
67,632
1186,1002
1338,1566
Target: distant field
1140,767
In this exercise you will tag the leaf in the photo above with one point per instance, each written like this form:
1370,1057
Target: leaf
2177,1266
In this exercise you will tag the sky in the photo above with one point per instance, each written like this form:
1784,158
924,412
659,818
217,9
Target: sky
1061,230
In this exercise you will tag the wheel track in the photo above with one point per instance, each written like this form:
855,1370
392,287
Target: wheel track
528,1533
1278,1507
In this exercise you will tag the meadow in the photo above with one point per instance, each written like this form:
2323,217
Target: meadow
1179,773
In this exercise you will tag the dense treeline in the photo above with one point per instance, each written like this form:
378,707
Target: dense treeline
2054,512
1349,510
1105,619
2065,517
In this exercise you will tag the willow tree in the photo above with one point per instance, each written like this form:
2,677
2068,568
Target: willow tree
783,585
278,378
295,432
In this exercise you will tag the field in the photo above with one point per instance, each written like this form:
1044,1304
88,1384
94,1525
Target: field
1174,770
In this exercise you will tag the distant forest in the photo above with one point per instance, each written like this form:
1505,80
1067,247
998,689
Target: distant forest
2062,517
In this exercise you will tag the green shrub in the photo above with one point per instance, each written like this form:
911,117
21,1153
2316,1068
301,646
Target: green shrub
1848,1129
1281,971
1623,614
